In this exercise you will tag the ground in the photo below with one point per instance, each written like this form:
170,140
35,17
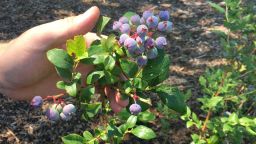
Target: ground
192,47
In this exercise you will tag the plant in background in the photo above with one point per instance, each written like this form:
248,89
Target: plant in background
228,100
131,66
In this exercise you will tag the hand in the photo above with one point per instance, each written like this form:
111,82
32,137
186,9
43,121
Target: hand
24,68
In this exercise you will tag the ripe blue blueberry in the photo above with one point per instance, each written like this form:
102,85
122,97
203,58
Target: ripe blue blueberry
65,117
142,61
52,114
165,26
116,25
169,26
37,101
124,20
164,15
151,54
152,22
125,28
160,42
142,21
149,43
142,30
147,14
135,109
135,19
69,109
139,50
140,40
122,38
130,43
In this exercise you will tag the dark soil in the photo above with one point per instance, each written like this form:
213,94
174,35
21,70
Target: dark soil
191,44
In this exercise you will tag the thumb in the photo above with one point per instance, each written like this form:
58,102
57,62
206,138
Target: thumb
59,31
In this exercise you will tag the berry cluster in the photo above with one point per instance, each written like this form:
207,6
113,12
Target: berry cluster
56,111
137,34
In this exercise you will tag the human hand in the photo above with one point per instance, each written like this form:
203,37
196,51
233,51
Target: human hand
24,68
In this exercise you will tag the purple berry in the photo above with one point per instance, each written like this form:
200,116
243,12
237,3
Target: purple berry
135,19
161,42
169,26
142,61
149,43
122,38
69,109
140,40
152,22
151,54
37,101
124,20
142,30
135,109
116,25
164,15
65,117
130,43
142,21
52,114
139,50
147,14
165,26
125,28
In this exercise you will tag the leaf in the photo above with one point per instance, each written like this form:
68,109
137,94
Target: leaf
77,47
71,89
110,42
91,109
131,122
202,81
109,63
214,101
146,116
94,76
60,58
87,93
172,98
139,83
143,132
73,139
130,68
102,22
129,14
108,78
60,85
87,135
65,74
217,7
96,48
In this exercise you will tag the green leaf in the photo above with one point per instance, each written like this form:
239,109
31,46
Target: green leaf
60,58
73,139
102,22
217,7
77,47
130,68
123,127
60,85
108,78
131,122
146,116
172,98
65,74
202,81
94,76
71,89
91,109
87,135
87,93
139,83
214,101
129,14
109,63
110,42
245,121
143,132
124,114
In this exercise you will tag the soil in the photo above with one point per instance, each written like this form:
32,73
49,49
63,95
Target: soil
192,47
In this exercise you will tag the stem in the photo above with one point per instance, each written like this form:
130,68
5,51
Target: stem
54,97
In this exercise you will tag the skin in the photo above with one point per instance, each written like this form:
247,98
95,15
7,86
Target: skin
24,69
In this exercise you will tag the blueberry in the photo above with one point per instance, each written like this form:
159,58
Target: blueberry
37,101
164,15
130,43
152,22
149,43
165,26
142,61
124,20
52,114
125,28
169,26
151,54
122,38
135,19
142,21
116,25
69,109
142,30
139,50
65,117
140,40
135,109
160,42
147,14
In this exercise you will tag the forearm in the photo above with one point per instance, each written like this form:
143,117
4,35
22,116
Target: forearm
3,47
